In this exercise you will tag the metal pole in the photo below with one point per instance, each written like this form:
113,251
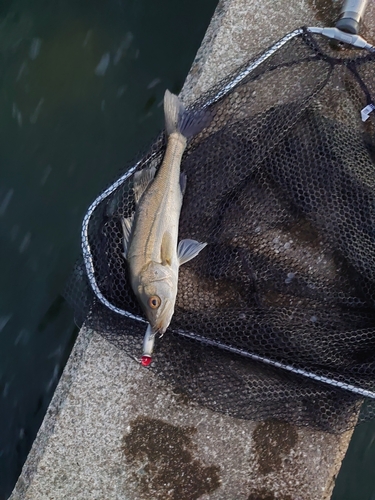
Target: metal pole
350,16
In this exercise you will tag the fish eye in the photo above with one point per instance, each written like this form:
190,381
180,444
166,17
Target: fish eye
154,302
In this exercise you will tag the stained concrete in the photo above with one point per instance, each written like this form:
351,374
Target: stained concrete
115,431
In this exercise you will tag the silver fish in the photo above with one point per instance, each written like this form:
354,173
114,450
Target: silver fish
151,233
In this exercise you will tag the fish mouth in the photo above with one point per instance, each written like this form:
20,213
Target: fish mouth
160,329
157,326
160,322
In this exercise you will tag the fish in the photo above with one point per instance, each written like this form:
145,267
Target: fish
150,234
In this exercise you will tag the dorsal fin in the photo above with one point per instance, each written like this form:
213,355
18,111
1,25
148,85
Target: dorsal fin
142,180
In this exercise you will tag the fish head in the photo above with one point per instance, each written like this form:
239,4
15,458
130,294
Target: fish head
157,292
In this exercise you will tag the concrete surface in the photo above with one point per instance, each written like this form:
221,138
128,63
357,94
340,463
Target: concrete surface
115,431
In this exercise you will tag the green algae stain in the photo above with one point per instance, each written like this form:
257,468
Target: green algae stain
162,462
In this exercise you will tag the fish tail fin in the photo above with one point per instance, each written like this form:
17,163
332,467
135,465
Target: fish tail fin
173,110
179,119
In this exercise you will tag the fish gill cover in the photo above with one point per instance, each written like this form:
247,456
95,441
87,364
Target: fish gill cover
281,185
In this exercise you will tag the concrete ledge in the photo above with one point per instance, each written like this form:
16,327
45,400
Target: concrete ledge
115,431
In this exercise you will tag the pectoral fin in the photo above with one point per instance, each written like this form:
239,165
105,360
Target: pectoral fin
166,250
188,249
126,229
142,180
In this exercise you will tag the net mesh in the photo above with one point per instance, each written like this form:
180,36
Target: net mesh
281,185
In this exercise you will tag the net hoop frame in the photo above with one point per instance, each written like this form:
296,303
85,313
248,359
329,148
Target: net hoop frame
87,254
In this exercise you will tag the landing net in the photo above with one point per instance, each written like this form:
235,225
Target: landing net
276,316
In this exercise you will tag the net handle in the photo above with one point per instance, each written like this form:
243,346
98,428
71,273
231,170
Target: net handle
350,16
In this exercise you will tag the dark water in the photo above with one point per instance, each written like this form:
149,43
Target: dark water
356,480
81,87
